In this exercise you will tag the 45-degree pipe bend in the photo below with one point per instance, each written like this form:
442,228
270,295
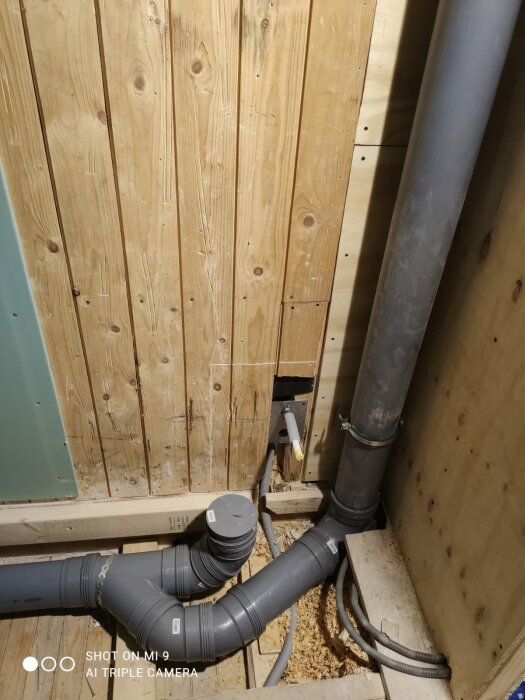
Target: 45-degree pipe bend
207,631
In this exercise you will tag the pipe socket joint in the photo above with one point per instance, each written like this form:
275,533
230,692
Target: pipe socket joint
353,518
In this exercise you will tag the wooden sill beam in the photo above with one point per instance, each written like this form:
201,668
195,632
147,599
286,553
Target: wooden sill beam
309,500
107,519
40,523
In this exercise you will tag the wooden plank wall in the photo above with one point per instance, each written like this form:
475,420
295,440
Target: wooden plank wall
178,173
456,487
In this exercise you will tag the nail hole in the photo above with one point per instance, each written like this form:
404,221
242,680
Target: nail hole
14,315
283,433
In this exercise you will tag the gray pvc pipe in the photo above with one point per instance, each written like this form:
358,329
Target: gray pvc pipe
283,658
204,632
467,52
184,571
465,61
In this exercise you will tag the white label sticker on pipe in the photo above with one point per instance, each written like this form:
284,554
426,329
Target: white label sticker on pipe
210,516
332,546
175,625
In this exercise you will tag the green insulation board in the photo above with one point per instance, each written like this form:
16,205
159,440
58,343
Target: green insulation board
35,462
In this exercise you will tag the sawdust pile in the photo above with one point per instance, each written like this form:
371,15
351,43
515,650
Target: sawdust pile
321,648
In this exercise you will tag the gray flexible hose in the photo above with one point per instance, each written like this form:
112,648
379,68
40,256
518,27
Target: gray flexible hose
386,641
422,672
281,662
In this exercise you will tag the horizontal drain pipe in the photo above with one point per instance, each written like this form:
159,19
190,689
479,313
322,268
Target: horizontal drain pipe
182,571
468,48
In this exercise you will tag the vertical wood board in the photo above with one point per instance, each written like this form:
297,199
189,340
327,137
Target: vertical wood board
137,59
205,39
274,36
369,205
65,52
27,176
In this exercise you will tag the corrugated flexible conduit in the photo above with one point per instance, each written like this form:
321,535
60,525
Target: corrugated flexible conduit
281,662
441,671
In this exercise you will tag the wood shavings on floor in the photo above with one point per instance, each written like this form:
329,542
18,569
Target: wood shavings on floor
321,647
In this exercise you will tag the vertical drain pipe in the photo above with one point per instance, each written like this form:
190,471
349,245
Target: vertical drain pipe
467,52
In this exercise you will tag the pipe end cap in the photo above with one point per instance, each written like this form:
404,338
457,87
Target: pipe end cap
231,516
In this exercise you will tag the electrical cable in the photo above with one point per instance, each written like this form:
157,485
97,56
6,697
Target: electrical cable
266,519
421,671
386,641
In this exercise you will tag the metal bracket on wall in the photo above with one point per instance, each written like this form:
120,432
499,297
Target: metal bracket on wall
278,432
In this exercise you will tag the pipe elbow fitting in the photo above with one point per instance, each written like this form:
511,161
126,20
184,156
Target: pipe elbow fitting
231,526
194,633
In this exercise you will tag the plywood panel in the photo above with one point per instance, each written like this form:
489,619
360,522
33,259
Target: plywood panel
369,204
65,52
27,174
400,40
205,73
456,488
272,63
137,57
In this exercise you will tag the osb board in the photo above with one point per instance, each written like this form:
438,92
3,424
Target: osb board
456,485
164,159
